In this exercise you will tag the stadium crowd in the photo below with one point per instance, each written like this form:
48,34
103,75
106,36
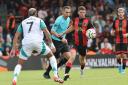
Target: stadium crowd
101,12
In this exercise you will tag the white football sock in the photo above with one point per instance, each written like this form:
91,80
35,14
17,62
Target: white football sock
53,64
17,71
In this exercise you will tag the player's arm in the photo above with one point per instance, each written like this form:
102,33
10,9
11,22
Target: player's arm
70,29
55,27
47,33
17,35
126,35
90,25
15,40
113,29
43,27
54,33
48,37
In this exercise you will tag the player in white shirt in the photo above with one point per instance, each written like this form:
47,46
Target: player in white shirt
32,29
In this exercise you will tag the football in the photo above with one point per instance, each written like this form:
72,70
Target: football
91,33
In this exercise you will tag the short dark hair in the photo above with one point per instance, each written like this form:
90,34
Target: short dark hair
81,8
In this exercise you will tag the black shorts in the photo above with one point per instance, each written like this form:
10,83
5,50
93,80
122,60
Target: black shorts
60,48
81,50
121,48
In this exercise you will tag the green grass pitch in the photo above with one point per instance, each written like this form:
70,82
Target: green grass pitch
91,77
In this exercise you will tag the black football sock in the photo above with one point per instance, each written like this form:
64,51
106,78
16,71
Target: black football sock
68,67
82,67
48,69
62,62
124,63
119,61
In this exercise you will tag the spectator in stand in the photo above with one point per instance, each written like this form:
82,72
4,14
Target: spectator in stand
8,41
23,11
10,24
95,20
106,33
1,40
7,47
50,19
1,45
106,47
1,30
42,13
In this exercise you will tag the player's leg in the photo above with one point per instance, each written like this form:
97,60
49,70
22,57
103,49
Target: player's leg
17,70
82,58
118,56
58,50
119,61
64,60
59,47
61,61
124,62
24,55
67,54
121,49
47,72
82,64
46,51
124,57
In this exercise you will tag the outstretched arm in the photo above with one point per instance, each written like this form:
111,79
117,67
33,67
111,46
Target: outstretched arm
48,37
15,41
70,29
47,34
15,44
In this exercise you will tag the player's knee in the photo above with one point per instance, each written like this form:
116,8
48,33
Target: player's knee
71,57
53,50
83,54
67,55
50,54
124,56
82,61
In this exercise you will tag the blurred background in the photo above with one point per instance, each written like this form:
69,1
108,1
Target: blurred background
101,12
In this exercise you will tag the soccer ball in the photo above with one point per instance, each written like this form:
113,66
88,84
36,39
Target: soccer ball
91,33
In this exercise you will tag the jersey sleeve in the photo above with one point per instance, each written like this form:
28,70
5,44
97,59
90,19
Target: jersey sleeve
127,26
56,24
42,24
89,25
20,28
113,26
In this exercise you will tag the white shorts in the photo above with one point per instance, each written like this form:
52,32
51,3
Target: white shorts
26,50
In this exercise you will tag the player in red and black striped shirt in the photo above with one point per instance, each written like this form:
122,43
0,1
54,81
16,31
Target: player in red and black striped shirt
120,27
80,26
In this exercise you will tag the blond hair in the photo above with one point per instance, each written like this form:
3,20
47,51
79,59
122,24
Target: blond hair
32,12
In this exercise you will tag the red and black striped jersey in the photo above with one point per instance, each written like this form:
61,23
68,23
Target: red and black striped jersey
120,27
81,26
